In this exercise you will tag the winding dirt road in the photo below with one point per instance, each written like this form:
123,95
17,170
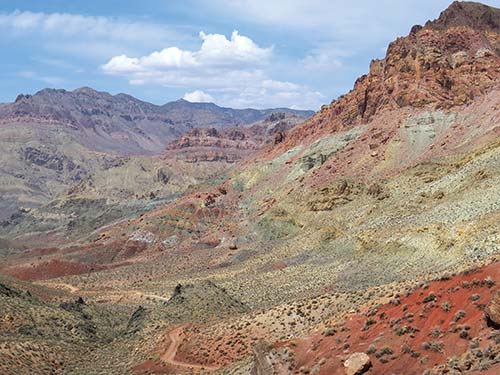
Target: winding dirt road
73,289
174,335
169,355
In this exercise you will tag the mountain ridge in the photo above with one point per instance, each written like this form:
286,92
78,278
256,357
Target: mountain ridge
443,64
469,14
54,139
60,105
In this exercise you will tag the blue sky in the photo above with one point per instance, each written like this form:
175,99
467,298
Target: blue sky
239,53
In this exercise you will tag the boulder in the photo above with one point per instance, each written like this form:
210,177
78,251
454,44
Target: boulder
279,137
492,310
80,301
357,364
261,361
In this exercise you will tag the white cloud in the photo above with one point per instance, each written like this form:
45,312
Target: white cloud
330,17
233,71
216,52
198,96
90,36
260,96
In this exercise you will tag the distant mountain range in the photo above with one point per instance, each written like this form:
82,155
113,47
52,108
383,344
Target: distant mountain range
54,139
121,123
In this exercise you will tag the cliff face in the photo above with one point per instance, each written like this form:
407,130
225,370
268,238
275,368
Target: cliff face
446,63
231,144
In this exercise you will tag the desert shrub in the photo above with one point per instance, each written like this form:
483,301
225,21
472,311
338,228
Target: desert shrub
489,282
436,346
464,335
446,306
476,282
384,351
459,315
495,336
368,323
371,349
484,365
474,344
424,360
475,297
395,301
329,332
435,332
430,298
404,330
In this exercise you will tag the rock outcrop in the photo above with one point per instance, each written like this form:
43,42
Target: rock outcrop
200,301
232,144
492,310
446,63
357,364
261,365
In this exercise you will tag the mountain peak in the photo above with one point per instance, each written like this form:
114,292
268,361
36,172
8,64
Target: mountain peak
447,63
467,14
50,92
85,90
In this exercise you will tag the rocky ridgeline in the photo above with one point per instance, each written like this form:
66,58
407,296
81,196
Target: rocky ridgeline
448,62
231,144
122,123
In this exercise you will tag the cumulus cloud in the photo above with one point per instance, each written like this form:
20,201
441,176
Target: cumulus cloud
233,70
198,96
216,52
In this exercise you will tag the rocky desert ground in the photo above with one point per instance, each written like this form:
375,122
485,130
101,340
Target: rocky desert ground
363,239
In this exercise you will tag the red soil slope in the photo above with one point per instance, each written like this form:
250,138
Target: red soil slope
412,333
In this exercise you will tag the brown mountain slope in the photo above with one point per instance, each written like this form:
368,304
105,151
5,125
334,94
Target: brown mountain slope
448,62
54,139
231,144
121,123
